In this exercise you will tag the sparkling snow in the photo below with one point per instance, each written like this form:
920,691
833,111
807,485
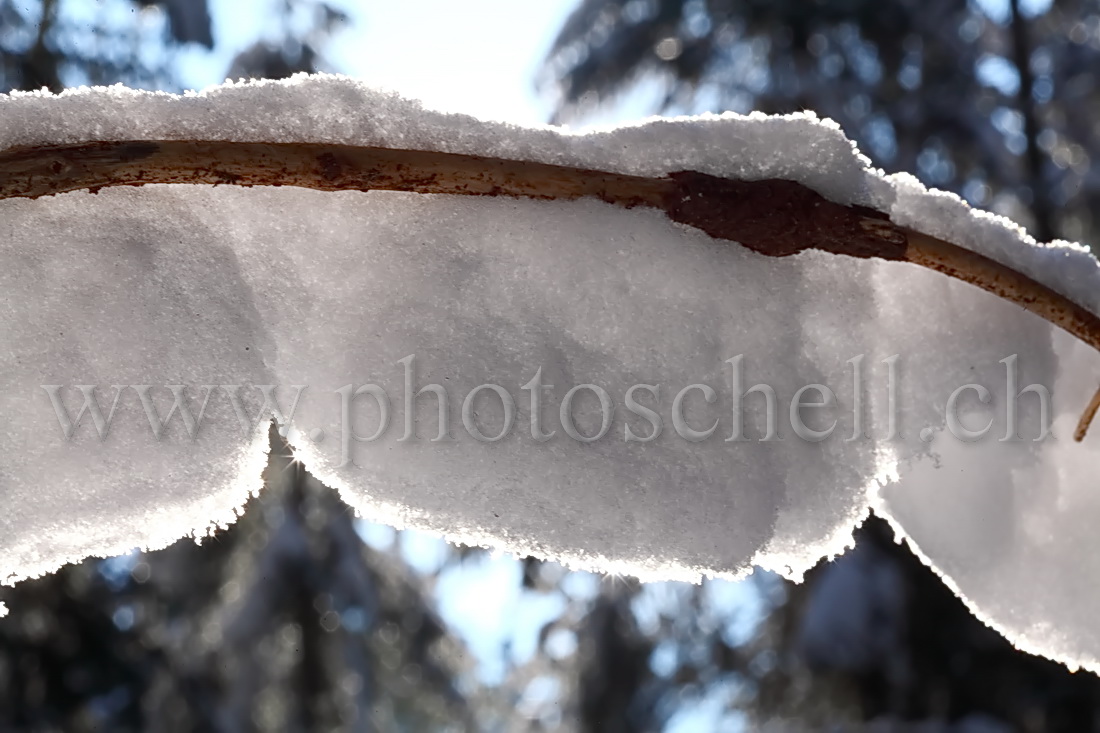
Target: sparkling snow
205,286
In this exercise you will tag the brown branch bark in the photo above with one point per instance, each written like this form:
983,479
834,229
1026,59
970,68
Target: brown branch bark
774,217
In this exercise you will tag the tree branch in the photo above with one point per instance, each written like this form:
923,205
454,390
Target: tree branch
773,217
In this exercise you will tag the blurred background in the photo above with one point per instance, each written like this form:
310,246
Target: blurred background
303,618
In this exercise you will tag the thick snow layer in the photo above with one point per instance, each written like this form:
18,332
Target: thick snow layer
333,292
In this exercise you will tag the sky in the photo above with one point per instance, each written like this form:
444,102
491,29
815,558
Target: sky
475,56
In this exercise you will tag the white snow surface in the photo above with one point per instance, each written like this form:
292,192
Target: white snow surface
199,285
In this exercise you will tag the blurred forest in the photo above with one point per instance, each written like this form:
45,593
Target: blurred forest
289,621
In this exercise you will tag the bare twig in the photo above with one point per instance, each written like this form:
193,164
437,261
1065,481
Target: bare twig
1086,417
774,217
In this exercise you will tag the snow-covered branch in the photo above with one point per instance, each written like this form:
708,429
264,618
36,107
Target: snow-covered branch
773,217
596,260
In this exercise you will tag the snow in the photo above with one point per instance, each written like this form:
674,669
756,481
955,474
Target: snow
205,286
